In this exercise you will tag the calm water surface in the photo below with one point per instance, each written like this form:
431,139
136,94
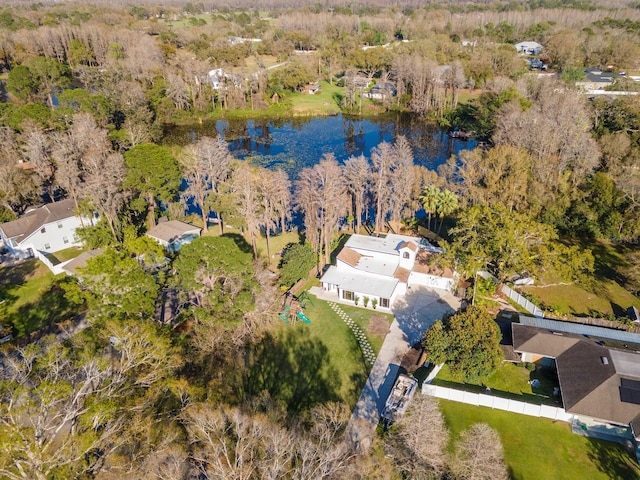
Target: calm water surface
300,142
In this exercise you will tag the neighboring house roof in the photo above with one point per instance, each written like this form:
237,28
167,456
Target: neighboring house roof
361,282
599,375
528,46
541,342
81,261
422,266
34,219
171,231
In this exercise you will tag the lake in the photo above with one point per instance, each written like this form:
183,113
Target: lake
300,142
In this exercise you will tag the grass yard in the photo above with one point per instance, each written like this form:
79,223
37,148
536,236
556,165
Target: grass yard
325,102
508,381
343,350
606,296
64,255
301,365
537,448
276,242
31,298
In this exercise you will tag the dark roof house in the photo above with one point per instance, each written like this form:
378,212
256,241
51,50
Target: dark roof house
598,368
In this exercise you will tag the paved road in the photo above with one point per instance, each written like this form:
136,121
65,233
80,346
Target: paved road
414,314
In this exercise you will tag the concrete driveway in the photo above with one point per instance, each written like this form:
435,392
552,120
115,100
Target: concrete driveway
414,314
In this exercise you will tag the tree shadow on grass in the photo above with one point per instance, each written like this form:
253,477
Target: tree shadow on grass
357,379
608,259
16,274
240,241
612,459
43,313
294,369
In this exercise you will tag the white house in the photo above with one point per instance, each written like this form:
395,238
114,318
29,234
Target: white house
529,48
382,268
49,228
173,234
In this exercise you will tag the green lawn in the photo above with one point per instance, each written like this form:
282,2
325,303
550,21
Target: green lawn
606,296
509,381
343,350
325,102
31,298
276,242
306,364
537,448
64,255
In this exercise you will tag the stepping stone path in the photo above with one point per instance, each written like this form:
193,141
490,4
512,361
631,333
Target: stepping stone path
367,351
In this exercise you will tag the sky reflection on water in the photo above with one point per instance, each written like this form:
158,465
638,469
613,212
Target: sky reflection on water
300,142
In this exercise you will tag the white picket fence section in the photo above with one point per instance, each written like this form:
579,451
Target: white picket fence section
506,404
523,302
55,269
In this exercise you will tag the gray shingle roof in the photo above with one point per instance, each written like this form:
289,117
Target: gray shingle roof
171,230
34,219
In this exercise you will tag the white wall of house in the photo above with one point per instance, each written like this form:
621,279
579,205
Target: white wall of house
347,295
407,258
426,280
54,236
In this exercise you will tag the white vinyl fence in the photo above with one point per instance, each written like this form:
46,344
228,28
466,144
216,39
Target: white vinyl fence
523,302
506,404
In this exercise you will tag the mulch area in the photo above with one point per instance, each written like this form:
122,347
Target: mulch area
378,326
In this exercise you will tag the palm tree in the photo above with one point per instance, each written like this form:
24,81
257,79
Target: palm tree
430,198
447,204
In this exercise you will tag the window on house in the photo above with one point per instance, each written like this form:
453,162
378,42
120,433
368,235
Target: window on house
405,255
59,224
65,239
47,246
384,302
347,295
43,230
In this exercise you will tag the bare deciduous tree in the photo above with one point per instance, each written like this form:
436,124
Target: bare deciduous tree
244,185
206,164
418,443
274,193
321,196
36,149
357,174
401,177
479,455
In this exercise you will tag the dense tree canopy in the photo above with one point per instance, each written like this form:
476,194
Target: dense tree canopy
89,92
215,278
468,341
119,287
297,260
154,173
509,243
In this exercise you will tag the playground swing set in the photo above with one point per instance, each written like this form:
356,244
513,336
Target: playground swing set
293,308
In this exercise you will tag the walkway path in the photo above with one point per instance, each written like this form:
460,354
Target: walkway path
415,313
365,346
